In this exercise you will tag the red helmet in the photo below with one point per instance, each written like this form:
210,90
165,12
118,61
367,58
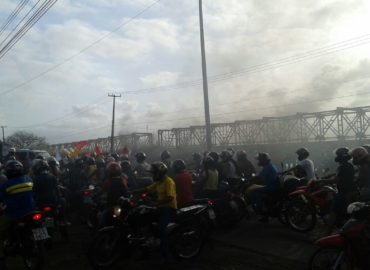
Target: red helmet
114,169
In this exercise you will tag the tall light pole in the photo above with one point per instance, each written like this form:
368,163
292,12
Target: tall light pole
113,116
3,128
205,82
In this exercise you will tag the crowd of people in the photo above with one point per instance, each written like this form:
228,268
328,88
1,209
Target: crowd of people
60,182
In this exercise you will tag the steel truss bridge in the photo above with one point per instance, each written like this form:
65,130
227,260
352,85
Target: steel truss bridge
350,124
337,125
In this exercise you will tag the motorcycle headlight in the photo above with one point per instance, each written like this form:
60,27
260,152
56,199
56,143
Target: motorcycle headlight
117,211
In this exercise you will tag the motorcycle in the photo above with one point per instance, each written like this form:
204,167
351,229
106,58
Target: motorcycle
350,247
307,203
136,228
54,220
26,239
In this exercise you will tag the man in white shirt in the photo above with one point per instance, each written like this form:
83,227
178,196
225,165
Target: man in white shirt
305,164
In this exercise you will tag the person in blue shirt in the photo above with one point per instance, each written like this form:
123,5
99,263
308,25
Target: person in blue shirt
266,183
16,197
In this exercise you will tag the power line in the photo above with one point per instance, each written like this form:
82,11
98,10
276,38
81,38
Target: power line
27,26
81,51
13,15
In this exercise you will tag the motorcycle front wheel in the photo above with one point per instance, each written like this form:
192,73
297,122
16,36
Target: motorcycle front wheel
300,216
186,242
330,258
104,250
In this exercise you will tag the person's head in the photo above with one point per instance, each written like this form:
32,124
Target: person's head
53,163
158,170
126,167
241,155
209,163
196,157
302,153
215,156
165,155
263,159
124,157
140,157
90,161
342,155
178,166
40,157
13,169
359,155
109,160
114,169
226,155
79,163
367,147
115,156
40,167
12,151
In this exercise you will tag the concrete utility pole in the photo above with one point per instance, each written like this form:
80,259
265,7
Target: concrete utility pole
205,82
3,128
113,116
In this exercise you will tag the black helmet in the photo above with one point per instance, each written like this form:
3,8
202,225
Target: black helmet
214,155
209,163
367,147
40,167
342,154
126,166
53,162
90,161
115,156
159,170
165,155
178,166
226,155
196,156
100,163
302,153
241,155
140,157
79,162
13,168
263,158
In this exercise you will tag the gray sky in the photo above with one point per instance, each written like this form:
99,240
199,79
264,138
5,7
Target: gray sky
265,58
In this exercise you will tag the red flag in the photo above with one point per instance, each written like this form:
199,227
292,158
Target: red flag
125,150
81,145
98,151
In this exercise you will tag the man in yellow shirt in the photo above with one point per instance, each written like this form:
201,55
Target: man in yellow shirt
165,189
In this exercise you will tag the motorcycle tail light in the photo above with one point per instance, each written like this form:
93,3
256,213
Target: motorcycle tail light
47,209
144,195
37,217
210,203
86,193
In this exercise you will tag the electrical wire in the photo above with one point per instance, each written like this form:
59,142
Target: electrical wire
13,15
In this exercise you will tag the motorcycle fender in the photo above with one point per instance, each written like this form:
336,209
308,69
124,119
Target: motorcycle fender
335,240
171,227
297,192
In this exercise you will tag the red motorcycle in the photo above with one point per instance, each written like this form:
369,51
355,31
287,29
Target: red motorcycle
348,249
308,202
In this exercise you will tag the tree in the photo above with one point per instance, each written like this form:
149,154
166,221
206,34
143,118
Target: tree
23,139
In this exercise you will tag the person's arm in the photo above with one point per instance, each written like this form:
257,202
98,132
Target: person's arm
170,194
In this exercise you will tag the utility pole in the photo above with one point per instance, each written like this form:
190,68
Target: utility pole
205,82
113,116
3,128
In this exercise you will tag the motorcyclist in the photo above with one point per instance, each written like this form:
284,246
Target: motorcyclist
114,186
166,159
183,182
361,158
209,178
45,185
2,175
100,167
54,167
197,162
17,197
266,183
131,178
165,189
347,190
305,167
11,154
246,168
142,170
228,165
91,171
